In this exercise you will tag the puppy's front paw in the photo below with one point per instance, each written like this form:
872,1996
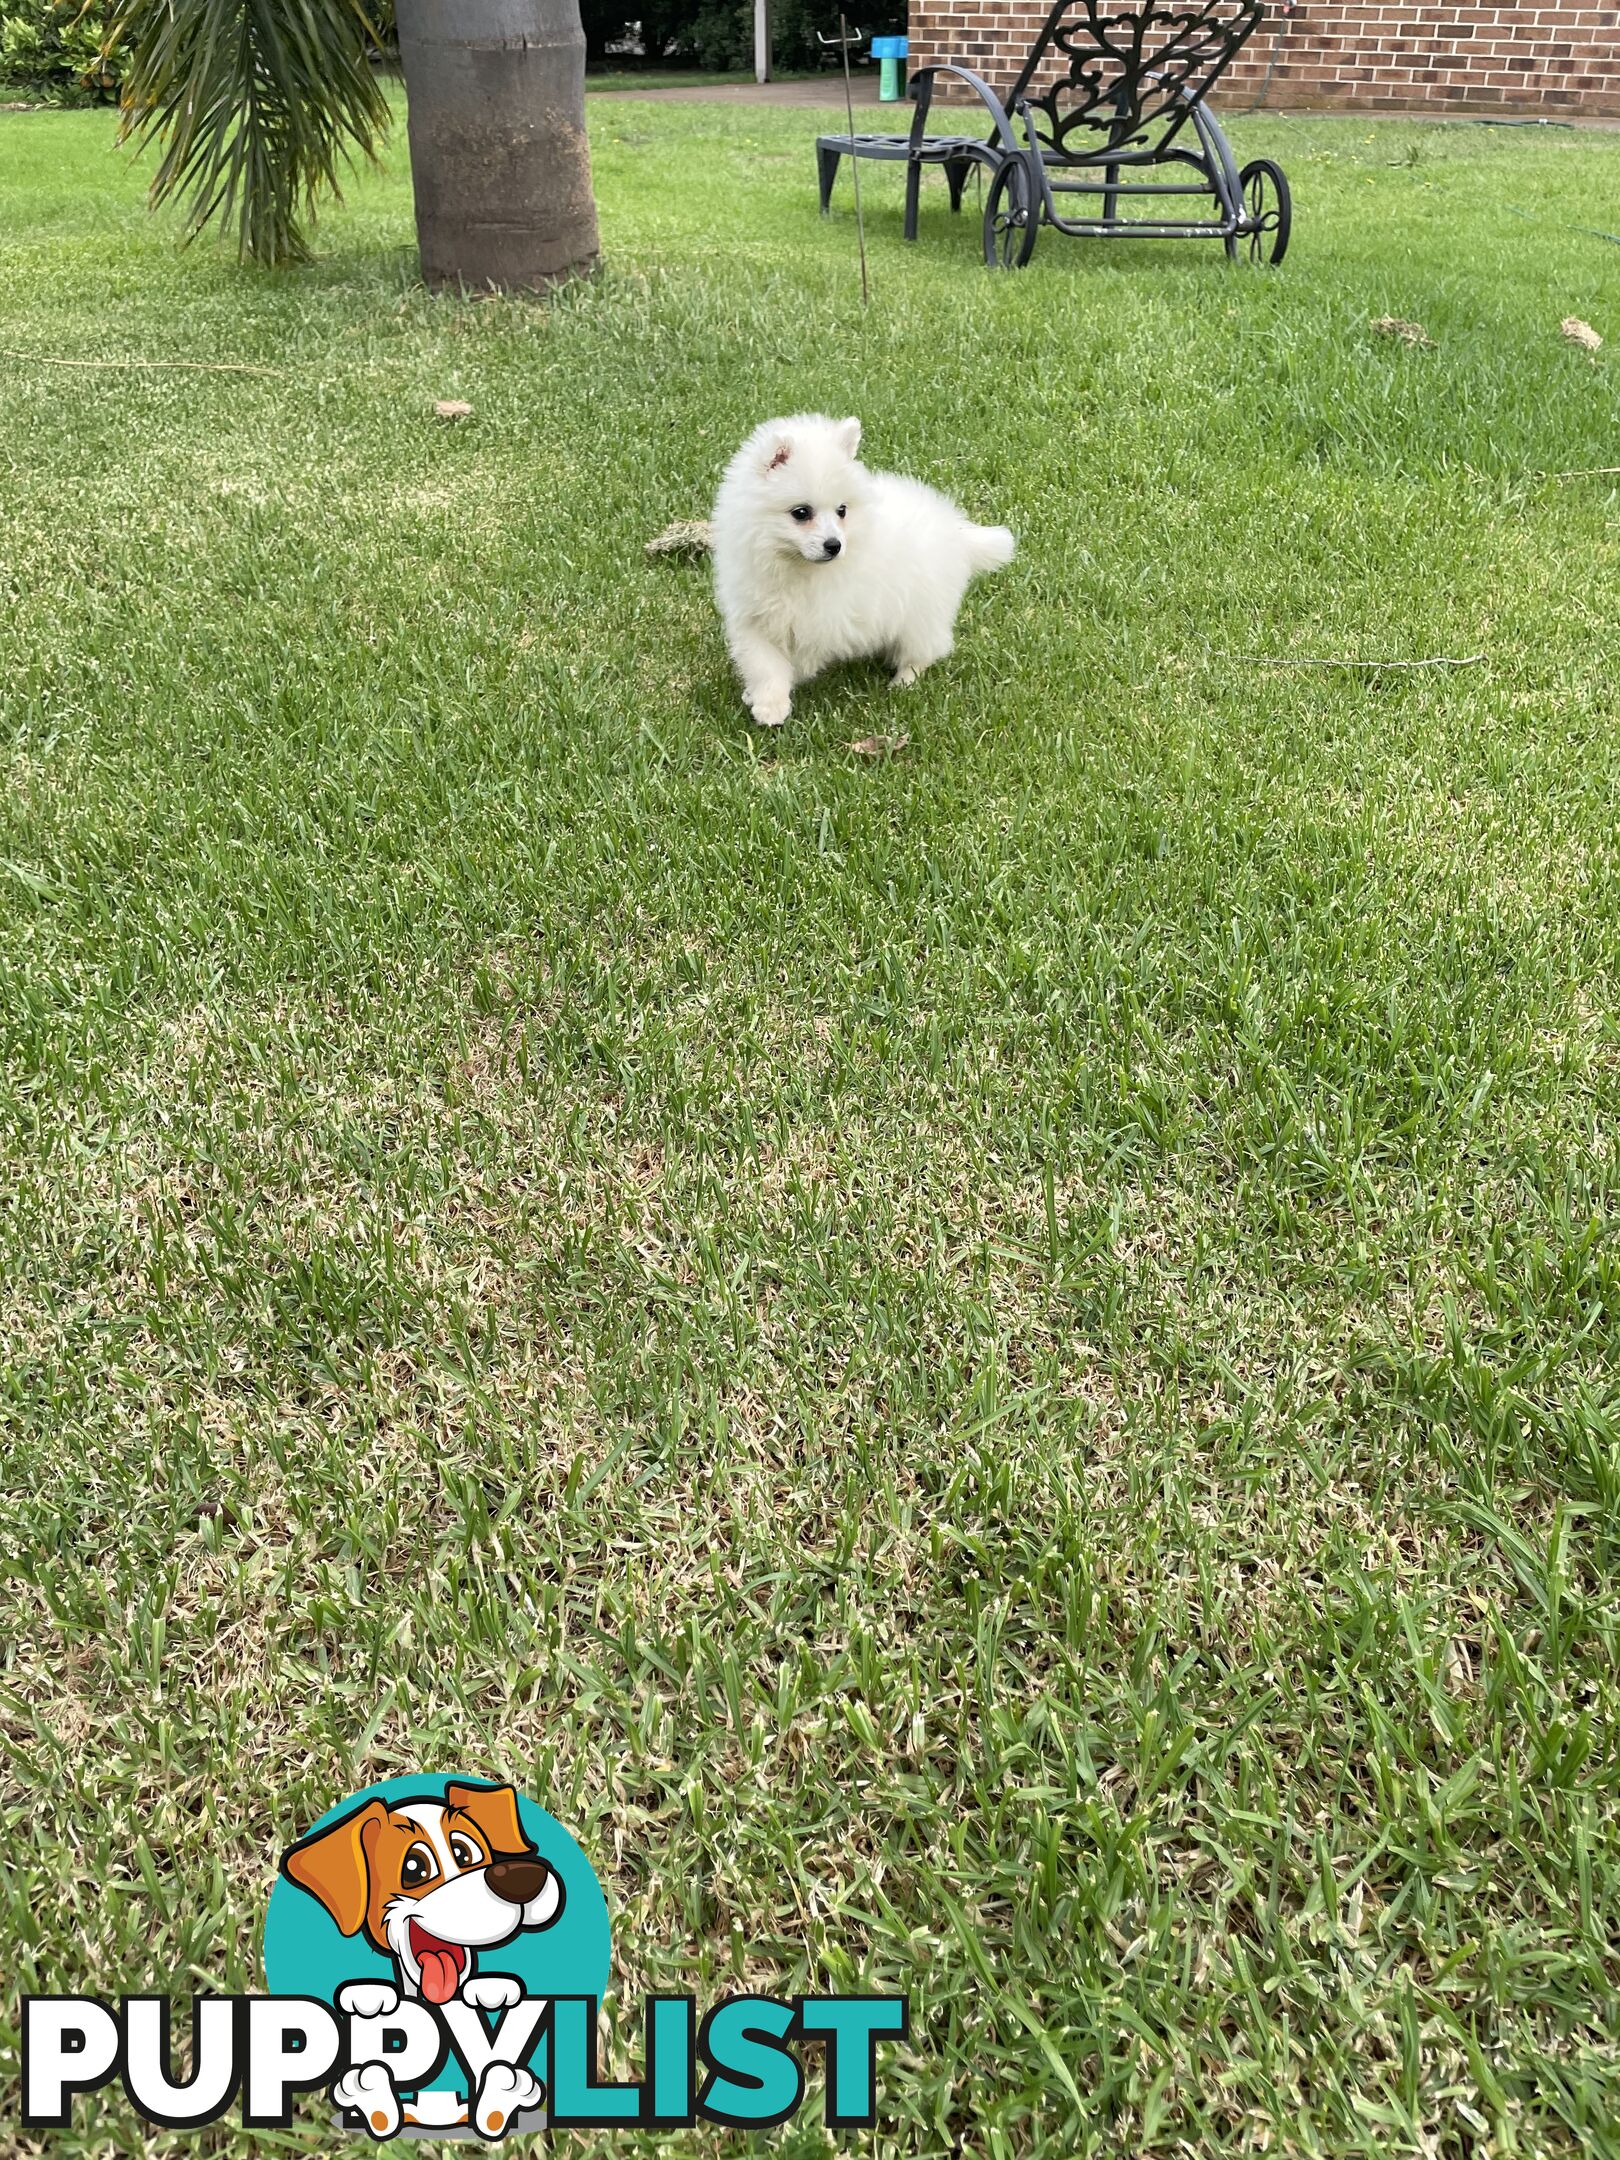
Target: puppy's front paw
492,1991
369,2090
770,711
503,2094
904,677
368,1998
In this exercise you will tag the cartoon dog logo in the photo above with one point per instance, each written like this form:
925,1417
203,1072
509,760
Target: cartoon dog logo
431,1881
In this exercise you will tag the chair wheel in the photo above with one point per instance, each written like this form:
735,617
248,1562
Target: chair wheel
1268,211
1011,216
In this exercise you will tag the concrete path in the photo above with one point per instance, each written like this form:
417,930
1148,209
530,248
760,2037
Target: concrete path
828,90
821,90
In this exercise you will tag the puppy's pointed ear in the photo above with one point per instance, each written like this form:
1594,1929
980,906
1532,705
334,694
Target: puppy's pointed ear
777,452
333,1865
493,1810
849,436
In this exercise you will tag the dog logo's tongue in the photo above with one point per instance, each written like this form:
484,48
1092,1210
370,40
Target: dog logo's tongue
441,1964
397,1897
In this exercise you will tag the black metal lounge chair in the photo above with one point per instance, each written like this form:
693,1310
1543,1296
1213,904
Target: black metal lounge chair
1107,93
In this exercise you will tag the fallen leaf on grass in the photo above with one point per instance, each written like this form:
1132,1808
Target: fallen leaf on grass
1580,333
880,745
687,536
1409,333
450,408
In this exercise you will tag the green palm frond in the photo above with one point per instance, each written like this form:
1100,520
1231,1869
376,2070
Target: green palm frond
255,104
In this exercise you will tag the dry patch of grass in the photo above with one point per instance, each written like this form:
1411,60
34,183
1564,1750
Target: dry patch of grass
992,1370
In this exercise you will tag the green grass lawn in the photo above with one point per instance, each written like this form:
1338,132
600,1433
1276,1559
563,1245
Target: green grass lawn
994,1372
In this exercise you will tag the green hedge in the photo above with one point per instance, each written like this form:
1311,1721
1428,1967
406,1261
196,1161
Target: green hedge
715,34
50,50
707,34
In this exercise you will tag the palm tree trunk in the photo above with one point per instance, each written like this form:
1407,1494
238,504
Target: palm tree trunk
499,161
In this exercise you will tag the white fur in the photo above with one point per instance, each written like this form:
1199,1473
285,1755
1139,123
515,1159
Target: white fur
507,2091
368,1998
369,2090
492,1991
461,1908
904,557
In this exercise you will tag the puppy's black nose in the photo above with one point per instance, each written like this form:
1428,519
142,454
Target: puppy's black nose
830,548
516,1881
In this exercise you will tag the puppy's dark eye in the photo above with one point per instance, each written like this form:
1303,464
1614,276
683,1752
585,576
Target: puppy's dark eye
801,513
464,1852
842,507
417,1867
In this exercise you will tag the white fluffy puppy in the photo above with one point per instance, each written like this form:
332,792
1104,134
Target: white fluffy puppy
816,560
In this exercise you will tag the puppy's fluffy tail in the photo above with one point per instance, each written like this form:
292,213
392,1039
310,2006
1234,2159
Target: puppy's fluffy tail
990,547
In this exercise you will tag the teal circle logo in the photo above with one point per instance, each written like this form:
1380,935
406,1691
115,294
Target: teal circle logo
443,1891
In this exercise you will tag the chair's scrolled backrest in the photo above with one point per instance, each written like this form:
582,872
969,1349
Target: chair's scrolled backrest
1113,75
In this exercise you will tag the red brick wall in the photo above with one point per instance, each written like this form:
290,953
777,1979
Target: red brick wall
1355,55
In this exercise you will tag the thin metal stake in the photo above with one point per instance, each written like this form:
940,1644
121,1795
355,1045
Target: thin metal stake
842,41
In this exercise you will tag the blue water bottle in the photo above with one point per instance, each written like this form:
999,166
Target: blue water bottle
891,51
